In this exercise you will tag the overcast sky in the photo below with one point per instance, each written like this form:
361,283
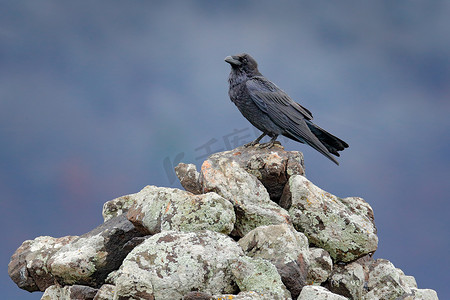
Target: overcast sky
100,98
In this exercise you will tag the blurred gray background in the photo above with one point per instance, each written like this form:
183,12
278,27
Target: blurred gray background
100,98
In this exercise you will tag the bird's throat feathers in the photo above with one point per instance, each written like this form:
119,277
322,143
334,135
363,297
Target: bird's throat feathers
237,77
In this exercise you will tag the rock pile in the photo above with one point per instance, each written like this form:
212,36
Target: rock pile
250,225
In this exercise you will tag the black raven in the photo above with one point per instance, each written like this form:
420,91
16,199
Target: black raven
272,111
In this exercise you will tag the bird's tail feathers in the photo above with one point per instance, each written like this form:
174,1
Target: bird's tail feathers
314,142
331,142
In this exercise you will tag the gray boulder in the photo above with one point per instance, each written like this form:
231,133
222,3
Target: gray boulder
342,226
348,280
260,276
370,279
286,248
90,258
189,178
170,264
28,265
157,209
320,266
388,282
117,206
276,243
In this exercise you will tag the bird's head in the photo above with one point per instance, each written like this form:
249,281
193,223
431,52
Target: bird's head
243,63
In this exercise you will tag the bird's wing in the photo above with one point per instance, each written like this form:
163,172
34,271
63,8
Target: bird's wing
270,97
284,112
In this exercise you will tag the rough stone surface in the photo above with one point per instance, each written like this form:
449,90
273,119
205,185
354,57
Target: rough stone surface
70,292
28,265
320,266
117,206
157,209
276,243
342,226
187,245
348,280
385,281
91,257
314,292
189,177
285,247
197,296
244,296
293,275
420,294
250,198
105,292
272,167
170,264
260,276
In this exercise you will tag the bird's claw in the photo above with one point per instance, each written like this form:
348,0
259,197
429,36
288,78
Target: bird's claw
251,144
269,145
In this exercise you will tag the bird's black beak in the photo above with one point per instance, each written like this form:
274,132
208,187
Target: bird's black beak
232,61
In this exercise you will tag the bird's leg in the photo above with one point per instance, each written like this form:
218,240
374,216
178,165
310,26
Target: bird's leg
271,143
255,141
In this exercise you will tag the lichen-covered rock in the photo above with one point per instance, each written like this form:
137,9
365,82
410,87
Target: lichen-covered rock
117,206
387,282
28,265
342,226
179,248
419,294
314,292
105,292
273,167
260,276
189,177
170,264
276,243
91,257
348,280
285,247
69,292
251,201
157,209
320,266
